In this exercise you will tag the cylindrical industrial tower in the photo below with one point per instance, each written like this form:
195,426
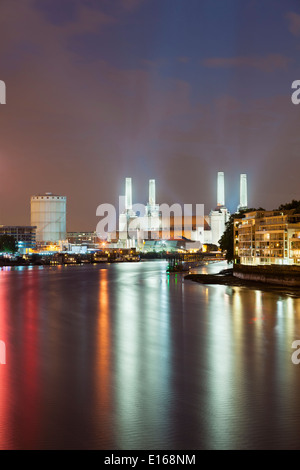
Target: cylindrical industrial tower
48,214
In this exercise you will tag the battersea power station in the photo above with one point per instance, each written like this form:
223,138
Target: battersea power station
157,227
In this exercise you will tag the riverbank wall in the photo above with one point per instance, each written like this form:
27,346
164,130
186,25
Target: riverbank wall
271,274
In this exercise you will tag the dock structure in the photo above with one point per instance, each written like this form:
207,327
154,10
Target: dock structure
179,262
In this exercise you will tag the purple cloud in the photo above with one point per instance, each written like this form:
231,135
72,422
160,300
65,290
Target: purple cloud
131,4
267,63
294,23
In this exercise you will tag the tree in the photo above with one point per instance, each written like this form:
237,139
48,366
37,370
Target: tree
7,244
226,242
290,205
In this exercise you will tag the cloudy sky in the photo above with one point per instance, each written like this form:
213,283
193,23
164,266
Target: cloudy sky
176,90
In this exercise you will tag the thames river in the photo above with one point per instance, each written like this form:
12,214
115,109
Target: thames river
124,356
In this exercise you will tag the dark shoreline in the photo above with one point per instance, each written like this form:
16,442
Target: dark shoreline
226,278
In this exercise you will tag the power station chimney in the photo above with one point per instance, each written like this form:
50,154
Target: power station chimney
151,193
221,189
243,191
128,195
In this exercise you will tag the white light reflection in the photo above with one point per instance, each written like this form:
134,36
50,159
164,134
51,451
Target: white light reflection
104,354
142,358
220,364
258,303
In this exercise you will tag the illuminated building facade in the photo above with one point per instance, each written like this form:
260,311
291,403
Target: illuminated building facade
268,237
83,238
25,236
83,241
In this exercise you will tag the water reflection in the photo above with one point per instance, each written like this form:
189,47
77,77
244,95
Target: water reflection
5,411
104,363
29,393
142,360
251,370
128,357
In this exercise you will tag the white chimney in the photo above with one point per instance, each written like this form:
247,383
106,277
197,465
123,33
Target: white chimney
151,193
221,189
243,191
128,195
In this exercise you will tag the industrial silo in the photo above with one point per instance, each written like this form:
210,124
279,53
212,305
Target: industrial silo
48,214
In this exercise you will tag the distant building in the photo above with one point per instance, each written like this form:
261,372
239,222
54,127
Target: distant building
268,237
88,239
220,215
172,245
48,214
217,221
156,224
25,236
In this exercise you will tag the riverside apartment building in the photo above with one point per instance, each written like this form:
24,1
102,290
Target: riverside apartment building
268,237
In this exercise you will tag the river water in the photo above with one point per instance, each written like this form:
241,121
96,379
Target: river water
125,357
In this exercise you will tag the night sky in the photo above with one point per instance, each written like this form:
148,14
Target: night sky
176,90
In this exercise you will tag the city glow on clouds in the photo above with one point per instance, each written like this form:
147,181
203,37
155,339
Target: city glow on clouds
267,63
100,90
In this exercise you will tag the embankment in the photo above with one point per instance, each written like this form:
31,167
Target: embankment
272,274
285,281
